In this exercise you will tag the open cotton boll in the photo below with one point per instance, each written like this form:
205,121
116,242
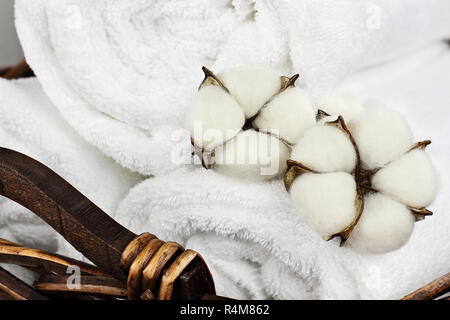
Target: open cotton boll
411,179
385,225
326,149
251,87
382,135
214,117
252,155
343,104
289,114
326,201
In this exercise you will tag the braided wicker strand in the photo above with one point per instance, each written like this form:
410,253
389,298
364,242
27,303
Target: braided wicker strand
133,248
173,272
154,266
138,265
159,261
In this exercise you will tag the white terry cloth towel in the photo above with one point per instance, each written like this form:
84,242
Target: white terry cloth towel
256,244
122,72
31,124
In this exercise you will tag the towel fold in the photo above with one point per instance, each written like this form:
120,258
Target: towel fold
31,124
255,242
122,72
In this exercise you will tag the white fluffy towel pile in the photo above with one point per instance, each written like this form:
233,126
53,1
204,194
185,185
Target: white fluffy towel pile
121,74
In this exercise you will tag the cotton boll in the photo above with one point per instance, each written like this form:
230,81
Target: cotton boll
252,87
411,179
252,155
385,225
344,105
325,201
214,117
382,135
325,149
289,113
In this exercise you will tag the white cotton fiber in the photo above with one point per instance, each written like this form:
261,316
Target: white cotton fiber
252,155
344,105
411,179
325,148
252,87
382,135
214,117
385,225
325,201
289,113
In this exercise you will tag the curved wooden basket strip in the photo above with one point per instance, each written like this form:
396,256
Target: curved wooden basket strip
432,290
94,286
12,288
42,262
20,70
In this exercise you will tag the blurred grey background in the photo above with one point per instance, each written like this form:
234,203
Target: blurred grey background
10,50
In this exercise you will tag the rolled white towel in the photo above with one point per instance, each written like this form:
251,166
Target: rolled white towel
122,72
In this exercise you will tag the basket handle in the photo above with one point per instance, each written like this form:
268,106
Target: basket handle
113,248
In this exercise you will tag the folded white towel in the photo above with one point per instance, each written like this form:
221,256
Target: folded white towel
256,244
31,124
329,40
122,72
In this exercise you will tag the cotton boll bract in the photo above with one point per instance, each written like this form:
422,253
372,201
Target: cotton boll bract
326,149
411,179
325,201
252,155
325,119
345,105
230,102
385,225
382,135
251,87
290,113
214,117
